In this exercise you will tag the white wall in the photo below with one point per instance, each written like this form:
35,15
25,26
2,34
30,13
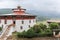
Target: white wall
9,22
25,25
10,31
19,24
2,23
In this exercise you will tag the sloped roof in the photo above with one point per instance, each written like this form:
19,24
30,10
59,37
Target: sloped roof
58,21
16,14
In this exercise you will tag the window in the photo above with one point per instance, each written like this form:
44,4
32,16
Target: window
29,21
5,19
21,27
29,26
13,22
22,22
0,20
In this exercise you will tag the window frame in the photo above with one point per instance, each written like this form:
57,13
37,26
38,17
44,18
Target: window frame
21,27
5,19
29,26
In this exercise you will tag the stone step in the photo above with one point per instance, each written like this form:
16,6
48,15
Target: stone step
6,32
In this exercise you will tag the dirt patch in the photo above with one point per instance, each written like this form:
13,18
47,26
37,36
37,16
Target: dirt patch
36,38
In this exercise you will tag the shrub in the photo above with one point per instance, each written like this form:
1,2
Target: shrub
49,32
36,31
0,28
54,25
36,28
42,26
21,35
30,33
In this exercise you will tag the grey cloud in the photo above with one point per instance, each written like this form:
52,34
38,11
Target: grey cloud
45,5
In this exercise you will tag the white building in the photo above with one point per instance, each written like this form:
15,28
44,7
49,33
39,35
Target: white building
16,21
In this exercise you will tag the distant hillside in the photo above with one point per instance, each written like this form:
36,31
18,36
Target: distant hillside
41,15
5,11
50,14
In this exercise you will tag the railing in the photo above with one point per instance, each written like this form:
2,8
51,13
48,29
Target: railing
3,31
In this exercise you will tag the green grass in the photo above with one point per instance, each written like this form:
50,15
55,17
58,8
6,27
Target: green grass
44,22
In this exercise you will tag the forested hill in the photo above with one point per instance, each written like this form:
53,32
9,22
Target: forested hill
5,11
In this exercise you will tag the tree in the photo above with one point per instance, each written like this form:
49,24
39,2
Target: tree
42,26
54,25
36,28
39,29
48,32
36,31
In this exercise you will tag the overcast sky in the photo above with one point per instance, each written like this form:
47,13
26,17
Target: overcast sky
45,5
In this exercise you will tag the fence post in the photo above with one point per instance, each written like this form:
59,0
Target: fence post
53,33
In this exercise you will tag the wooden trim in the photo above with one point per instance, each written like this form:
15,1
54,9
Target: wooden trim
17,17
